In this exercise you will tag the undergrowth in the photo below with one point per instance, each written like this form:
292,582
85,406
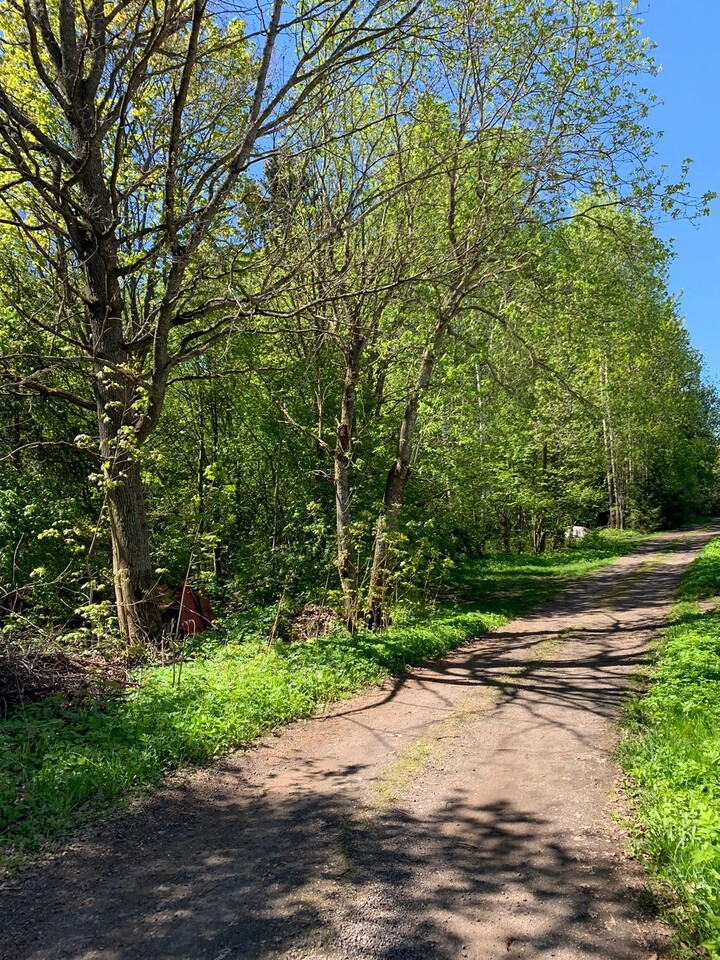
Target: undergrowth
61,766
672,754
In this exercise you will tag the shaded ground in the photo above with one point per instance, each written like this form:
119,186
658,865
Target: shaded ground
29,677
463,811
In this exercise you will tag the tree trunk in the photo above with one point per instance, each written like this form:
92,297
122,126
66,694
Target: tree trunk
618,516
137,611
341,465
537,518
608,475
619,502
398,476
345,547
615,491
385,530
539,533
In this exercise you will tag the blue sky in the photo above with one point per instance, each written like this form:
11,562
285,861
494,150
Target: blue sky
687,37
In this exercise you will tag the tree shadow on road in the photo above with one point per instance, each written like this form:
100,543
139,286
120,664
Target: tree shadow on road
309,875
249,871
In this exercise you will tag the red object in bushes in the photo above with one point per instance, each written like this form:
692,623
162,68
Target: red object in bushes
196,614
187,606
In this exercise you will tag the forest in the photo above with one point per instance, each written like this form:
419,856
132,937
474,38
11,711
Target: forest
312,305
323,310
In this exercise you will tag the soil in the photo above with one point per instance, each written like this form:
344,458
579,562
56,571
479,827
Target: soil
468,810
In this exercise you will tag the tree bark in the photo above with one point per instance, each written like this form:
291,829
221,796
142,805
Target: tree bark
615,490
137,611
347,568
398,476
539,533
138,614
608,475
618,514
537,518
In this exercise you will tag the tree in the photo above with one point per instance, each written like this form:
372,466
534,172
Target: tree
543,99
127,134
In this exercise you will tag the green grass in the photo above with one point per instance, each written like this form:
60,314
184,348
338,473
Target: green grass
60,767
510,584
673,757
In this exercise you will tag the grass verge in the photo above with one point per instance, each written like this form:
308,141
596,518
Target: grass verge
672,754
60,767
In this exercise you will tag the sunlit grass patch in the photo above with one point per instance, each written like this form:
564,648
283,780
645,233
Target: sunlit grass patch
673,756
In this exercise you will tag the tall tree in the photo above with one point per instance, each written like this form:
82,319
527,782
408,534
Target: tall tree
545,98
127,132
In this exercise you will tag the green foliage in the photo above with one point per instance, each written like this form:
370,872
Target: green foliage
61,765
673,755
302,288
396,194
43,541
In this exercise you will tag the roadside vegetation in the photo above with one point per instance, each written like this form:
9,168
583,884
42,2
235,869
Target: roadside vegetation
64,763
672,755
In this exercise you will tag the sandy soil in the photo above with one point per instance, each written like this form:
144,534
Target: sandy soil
469,810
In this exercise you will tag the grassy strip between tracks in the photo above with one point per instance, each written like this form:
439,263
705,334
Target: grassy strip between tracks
672,754
61,766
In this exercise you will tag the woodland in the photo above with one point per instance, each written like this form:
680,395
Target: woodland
307,303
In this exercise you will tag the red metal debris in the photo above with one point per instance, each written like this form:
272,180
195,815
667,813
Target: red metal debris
186,607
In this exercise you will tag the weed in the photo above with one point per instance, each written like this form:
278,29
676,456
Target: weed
672,753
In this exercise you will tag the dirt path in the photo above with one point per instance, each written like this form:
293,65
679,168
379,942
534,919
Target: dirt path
463,812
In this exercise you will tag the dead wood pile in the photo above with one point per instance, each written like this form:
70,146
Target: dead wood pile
31,677
311,621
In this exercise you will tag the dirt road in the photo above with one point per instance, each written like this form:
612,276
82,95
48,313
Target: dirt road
466,811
